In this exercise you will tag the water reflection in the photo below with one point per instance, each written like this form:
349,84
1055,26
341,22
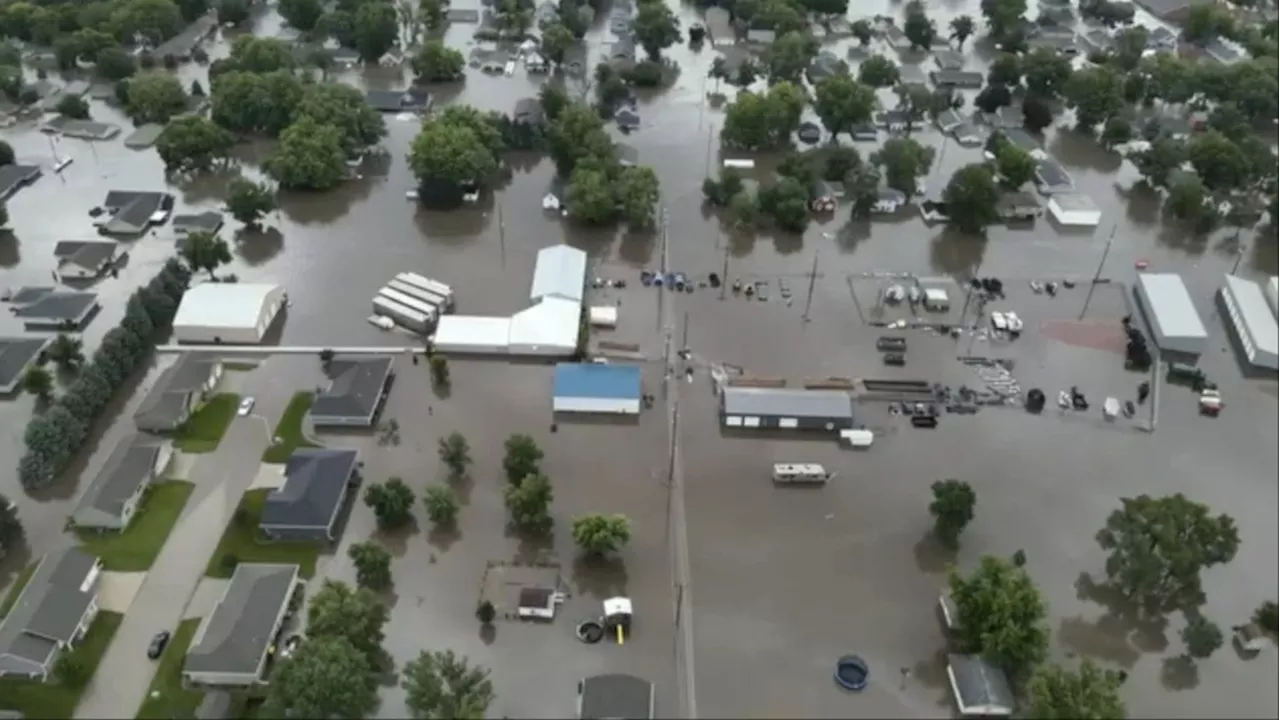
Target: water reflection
324,208
257,247
10,254
952,252
206,186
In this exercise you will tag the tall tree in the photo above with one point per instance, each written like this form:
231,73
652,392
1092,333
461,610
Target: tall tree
443,686
972,197
356,615
325,677
205,251
1201,637
455,453
841,103
38,381
878,71
10,526
904,161
952,510
521,459
193,144
302,15
598,534
1004,17
1096,93
154,97
248,201
1000,614
310,156
1086,693
1158,547
961,29
655,28
372,563
376,30
1006,70
918,28
67,352
436,62
528,503
391,502
789,56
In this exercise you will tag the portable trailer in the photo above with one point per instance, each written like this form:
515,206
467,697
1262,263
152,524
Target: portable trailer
409,302
439,302
405,317
429,285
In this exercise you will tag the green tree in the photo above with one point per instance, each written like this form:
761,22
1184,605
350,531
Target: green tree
1004,17
918,28
952,510
439,371
1046,71
248,201
113,64
345,108
455,453
1015,166
71,671
787,203
515,18
234,12
556,41
971,197
66,352
7,156
862,30
325,677
1000,614
1096,93
841,103
915,101
261,55
599,534
1267,616
1158,547
10,527
193,144
447,156
443,686
878,71
442,505
155,96
205,251
356,615
437,62
904,161
376,30
1158,162
302,15
528,503
637,196
4,215
1218,161
1117,131
554,99
1086,693
310,156
789,56
962,29
38,381
763,121
655,28
521,458
154,20
373,565
1201,637
486,612
1205,23
391,502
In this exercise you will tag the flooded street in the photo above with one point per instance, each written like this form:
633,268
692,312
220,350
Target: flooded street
791,581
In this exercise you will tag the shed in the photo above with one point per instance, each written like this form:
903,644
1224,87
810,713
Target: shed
235,313
561,271
615,696
783,408
1252,322
592,388
604,316
980,688
549,328
1074,210
472,334
1172,316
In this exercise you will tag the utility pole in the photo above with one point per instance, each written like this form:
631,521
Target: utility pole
502,235
813,279
1098,273
724,274
1239,252
684,341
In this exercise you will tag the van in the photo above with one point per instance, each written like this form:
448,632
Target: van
800,473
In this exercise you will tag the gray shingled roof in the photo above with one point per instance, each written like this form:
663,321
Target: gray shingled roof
129,466
47,612
616,696
980,684
773,402
315,480
15,355
88,254
54,305
165,407
208,221
355,388
14,177
235,638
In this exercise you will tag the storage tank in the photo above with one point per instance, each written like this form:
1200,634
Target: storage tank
403,316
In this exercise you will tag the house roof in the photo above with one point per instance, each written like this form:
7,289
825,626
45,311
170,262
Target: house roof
14,177
48,611
16,353
132,211
1020,139
527,110
235,638
948,59
355,388
183,43
87,254
616,696
560,271
56,305
225,305
958,78
315,482
782,402
624,48
1169,306
1254,313
1018,201
588,380
1165,9
1050,174
165,407
551,322
129,466
979,685
625,154
208,221
410,100
144,137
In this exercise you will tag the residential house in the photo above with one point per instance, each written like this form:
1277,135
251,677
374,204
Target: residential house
1051,178
948,60
864,132
620,18
1161,38
467,15
761,36
896,38
1019,206
1063,43
1005,118
45,308
1174,11
491,62
825,64
1022,140
575,60
15,177
719,26
413,100
623,51
208,221
967,135
980,689
1223,52
16,355
948,120
131,213
180,46
306,507
178,393
50,615
357,388
80,129
889,201
231,647
535,64
626,155
615,696
112,498
896,121
84,259
1101,40
957,79
528,111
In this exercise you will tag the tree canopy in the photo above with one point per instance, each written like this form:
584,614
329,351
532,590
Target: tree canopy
972,197
763,121
842,102
356,615
1000,614
952,510
310,156
325,677
192,143
154,97
443,686
1087,692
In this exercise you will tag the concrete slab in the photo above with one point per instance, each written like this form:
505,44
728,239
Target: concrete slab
205,598
270,476
116,590
181,465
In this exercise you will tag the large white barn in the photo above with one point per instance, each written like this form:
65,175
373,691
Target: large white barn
227,313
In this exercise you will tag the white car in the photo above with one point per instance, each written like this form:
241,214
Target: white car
246,407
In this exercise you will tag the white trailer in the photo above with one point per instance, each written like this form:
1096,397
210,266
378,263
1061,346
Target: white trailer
409,302
857,438
428,284
441,304
405,317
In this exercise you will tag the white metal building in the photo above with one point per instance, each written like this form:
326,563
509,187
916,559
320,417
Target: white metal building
561,272
229,313
1247,309
605,316
1074,210
548,328
1172,316
472,334
1272,290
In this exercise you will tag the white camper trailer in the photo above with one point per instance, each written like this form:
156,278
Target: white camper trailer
407,318
800,473
429,285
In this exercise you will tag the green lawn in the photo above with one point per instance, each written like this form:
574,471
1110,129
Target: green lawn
167,698
15,590
289,429
240,541
136,548
53,699
204,430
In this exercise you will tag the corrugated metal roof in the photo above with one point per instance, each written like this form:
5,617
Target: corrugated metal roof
1255,314
586,380
774,402
561,271
1169,306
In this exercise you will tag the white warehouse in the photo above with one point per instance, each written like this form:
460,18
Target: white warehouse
227,313
1172,316
1249,315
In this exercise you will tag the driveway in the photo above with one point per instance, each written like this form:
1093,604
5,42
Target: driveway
116,590
220,477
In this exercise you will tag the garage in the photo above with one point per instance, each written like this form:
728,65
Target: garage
592,388
1171,314
548,329
228,313
1074,210
1248,314
471,334
786,409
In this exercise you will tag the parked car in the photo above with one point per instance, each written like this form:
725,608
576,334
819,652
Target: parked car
158,643
246,406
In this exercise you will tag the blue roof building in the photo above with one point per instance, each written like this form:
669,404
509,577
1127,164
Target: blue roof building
591,388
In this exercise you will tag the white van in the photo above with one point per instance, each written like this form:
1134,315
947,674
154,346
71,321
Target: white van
802,473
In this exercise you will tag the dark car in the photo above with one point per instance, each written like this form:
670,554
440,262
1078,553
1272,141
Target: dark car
158,644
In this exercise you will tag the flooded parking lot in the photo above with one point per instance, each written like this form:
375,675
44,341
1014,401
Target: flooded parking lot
784,582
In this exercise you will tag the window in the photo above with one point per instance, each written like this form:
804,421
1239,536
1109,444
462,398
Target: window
751,422
733,421
789,423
